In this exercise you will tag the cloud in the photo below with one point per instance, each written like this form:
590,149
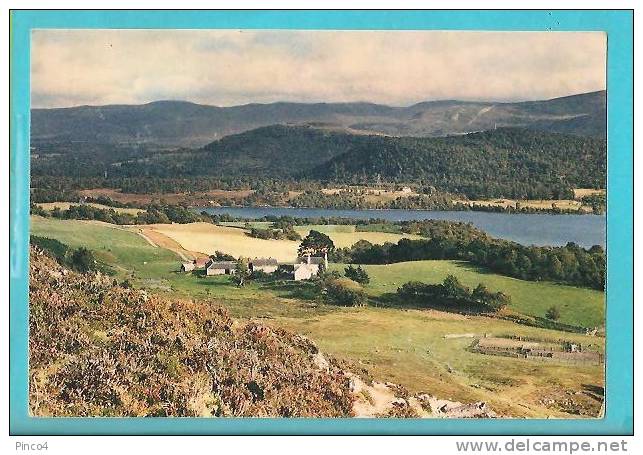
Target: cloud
230,67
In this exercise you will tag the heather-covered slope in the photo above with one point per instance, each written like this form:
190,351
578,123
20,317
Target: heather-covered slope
97,349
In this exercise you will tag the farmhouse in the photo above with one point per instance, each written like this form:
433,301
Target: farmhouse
314,260
305,268
220,268
300,271
269,265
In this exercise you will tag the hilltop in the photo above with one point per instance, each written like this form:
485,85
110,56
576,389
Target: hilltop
181,123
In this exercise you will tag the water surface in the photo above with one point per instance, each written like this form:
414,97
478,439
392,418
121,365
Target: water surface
526,228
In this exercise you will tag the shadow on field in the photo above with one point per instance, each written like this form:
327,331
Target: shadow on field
392,300
468,266
292,289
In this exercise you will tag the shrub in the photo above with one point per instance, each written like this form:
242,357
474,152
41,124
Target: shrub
553,313
358,274
345,292
82,260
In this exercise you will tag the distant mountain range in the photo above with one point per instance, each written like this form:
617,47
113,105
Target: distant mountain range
184,124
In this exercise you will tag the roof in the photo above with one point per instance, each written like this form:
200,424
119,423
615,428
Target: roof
200,262
222,265
264,261
313,260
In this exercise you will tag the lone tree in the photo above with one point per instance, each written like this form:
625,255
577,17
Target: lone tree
553,313
241,272
316,244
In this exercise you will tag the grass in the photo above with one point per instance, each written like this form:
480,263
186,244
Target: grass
125,250
408,348
578,306
401,345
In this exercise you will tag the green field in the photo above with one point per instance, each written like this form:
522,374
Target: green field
125,250
401,345
578,306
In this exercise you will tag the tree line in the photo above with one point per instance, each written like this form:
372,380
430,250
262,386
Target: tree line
570,264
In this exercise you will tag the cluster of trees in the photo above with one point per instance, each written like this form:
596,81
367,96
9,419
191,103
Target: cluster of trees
316,244
153,214
569,264
518,208
286,233
454,295
598,202
358,200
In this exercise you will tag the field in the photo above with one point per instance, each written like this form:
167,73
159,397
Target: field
578,306
208,238
126,251
582,192
398,344
65,206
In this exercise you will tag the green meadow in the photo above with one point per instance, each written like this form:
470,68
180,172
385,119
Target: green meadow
578,306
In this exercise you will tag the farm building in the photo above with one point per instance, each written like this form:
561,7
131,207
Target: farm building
220,268
269,265
187,266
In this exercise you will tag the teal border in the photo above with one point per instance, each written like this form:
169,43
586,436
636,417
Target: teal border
619,381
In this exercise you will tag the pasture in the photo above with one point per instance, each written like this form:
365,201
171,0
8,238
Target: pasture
578,306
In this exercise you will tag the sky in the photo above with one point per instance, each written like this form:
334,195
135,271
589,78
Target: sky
233,67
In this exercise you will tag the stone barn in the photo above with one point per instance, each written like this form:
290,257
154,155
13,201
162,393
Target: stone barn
220,268
269,265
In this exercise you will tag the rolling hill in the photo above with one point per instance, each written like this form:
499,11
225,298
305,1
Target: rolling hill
180,123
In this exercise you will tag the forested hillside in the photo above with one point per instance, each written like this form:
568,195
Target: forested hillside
180,123
506,162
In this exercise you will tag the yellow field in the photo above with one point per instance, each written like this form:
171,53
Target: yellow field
65,206
207,238
346,236
582,192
